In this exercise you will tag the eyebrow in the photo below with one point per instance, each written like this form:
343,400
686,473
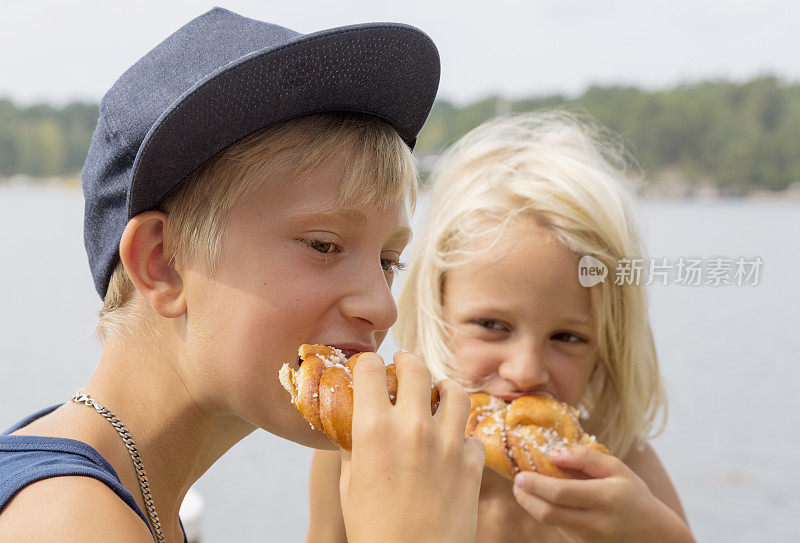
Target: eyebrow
577,322
401,233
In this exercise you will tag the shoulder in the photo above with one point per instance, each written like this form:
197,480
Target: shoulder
644,462
73,507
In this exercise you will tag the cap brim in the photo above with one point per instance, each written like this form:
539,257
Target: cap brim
387,70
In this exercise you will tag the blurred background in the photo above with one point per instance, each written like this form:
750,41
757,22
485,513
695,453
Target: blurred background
706,94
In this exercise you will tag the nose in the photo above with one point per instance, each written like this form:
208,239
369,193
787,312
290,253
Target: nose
370,301
525,367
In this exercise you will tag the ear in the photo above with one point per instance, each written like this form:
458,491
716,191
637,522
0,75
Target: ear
150,270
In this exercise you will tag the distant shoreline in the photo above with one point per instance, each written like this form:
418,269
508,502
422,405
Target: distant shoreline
652,191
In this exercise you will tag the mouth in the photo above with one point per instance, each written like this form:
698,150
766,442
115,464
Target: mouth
349,352
347,349
512,397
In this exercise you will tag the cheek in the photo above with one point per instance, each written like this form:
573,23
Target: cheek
571,375
476,358
289,292
279,276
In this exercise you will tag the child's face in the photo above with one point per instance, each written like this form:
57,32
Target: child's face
521,321
294,269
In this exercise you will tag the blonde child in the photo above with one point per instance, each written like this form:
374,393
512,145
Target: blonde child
231,215
493,300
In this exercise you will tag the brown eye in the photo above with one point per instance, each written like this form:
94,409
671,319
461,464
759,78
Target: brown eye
320,246
568,337
490,324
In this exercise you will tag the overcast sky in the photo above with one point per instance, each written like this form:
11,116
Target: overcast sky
57,50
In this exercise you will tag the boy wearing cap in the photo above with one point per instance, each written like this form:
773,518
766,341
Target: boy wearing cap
247,190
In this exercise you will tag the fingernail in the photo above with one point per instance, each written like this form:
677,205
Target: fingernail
558,453
519,479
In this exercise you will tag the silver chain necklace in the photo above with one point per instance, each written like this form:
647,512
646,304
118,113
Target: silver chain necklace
137,462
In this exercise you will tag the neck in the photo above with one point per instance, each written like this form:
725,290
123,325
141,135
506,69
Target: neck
177,433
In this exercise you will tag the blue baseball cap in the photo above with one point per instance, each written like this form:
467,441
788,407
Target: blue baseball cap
222,77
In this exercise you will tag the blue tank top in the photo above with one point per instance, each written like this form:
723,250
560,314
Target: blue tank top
27,459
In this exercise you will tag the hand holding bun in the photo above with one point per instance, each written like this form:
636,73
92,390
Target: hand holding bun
519,435
322,390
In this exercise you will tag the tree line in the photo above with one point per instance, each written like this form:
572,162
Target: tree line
738,136
43,140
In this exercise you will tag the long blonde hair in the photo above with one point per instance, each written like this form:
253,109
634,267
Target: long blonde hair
573,177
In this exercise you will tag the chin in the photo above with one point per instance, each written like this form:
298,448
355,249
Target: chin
322,443
295,428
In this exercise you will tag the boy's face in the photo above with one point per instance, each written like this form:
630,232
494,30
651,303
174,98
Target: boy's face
294,269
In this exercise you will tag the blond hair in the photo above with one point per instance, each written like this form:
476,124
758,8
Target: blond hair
379,170
569,175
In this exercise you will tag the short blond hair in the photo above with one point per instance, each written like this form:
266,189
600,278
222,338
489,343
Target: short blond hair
379,170
571,176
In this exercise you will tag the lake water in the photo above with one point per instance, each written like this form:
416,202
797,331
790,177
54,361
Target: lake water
730,356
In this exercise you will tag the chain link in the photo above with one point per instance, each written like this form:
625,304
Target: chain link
137,461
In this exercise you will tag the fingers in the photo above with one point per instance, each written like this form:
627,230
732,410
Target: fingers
580,520
369,385
475,451
573,493
591,462
576,493
414,394
453,409
544,511
411,478
413,383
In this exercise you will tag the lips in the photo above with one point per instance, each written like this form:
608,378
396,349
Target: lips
512,397
349,352
351,348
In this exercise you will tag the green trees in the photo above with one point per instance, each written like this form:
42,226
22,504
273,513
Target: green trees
43,140
738,136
